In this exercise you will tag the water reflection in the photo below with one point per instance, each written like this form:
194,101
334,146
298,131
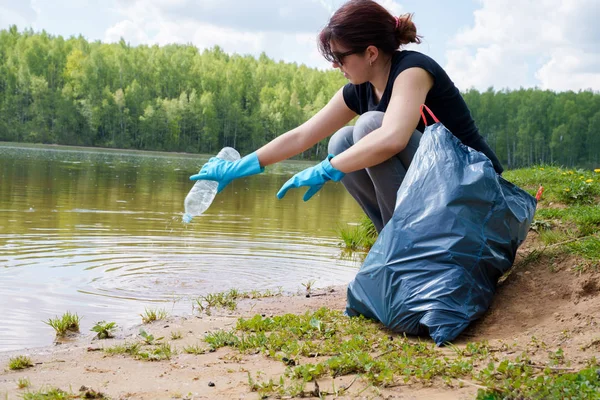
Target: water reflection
99,233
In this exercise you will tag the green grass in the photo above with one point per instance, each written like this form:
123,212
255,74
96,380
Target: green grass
48,393
326,343
150,350
563,185
126,348
588,248
19,362
152,315
360,237
66,323
518,380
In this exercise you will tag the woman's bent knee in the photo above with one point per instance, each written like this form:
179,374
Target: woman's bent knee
340,141
367,123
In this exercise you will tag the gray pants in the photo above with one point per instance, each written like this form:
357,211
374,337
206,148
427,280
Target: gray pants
374,188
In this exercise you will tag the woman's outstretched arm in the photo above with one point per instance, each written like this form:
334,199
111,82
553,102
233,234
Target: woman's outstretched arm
328,120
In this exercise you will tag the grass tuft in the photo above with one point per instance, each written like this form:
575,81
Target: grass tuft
66,323
360,237
161,352
23,383
152,315
176,335
19,362
195,349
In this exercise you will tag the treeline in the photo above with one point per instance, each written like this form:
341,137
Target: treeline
526,127
176,98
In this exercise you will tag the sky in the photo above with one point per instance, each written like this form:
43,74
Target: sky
504,44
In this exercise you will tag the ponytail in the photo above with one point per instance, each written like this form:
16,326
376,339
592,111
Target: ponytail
405,30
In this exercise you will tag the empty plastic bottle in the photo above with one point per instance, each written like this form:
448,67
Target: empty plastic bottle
203,192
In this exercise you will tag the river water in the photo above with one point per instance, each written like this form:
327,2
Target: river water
99,233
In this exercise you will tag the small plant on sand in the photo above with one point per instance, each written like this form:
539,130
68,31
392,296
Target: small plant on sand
257,294
280,389
65,324
126,348
221,299
19,362
104,329
176,335
221,338
195,349
308,286
163,351
149,338
151,315
50,393
23,383
89,393
230,298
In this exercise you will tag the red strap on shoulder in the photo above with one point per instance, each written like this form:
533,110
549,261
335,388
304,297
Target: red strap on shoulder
423,106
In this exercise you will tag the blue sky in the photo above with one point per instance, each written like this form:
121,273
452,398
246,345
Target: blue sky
551,44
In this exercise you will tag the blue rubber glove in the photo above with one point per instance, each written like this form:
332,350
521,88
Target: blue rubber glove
224,172
313,177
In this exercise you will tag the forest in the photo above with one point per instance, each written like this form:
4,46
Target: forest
178,98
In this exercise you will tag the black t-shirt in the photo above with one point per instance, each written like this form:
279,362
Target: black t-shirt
444,100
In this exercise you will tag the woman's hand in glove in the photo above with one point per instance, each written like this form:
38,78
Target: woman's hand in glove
224,172
313,177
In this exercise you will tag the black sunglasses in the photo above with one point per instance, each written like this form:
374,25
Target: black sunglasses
338,58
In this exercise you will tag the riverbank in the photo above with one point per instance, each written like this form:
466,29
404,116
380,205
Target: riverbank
224,373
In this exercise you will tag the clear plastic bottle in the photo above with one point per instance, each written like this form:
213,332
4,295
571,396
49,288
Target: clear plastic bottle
203,192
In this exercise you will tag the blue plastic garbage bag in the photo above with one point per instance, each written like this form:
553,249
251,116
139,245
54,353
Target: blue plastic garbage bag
456,228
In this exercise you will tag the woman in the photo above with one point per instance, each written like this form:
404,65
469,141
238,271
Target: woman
386,88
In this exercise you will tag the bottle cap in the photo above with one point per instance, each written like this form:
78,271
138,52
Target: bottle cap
187,218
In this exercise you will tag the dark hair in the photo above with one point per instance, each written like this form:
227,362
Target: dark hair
359,24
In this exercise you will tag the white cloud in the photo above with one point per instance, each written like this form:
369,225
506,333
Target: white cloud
245,16
570,69
485,68
559,40
284,29
126,29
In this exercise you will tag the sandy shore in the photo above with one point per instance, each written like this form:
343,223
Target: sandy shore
223,374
